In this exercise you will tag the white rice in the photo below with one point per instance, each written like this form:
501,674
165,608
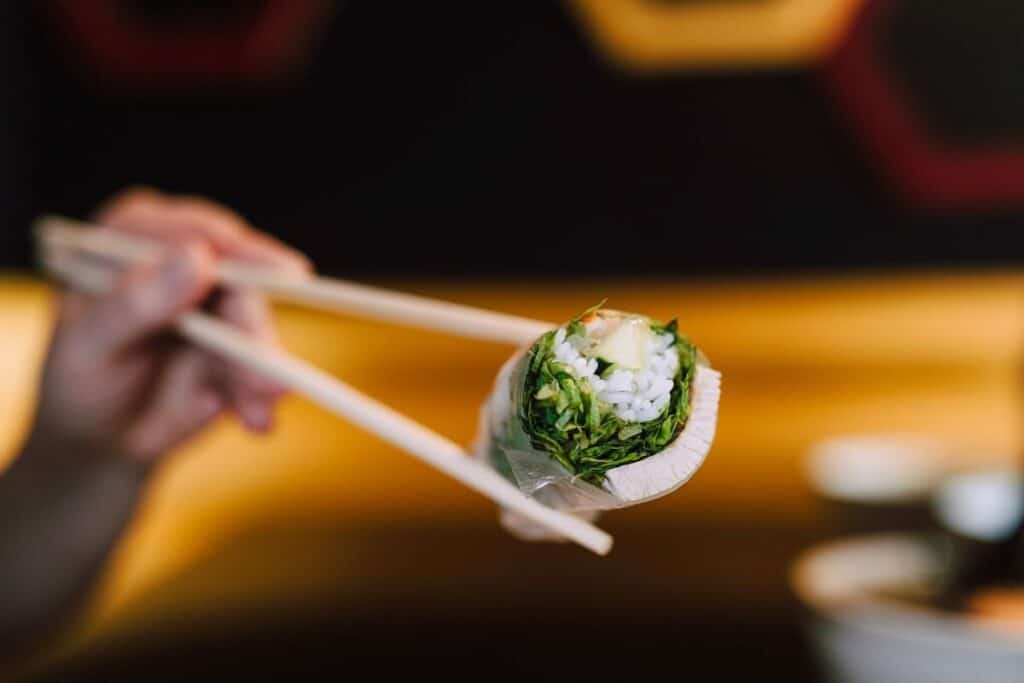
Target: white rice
634,395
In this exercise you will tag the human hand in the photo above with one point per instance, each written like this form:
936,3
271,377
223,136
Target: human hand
117,380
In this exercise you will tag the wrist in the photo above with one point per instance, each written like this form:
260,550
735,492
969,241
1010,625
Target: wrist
48,454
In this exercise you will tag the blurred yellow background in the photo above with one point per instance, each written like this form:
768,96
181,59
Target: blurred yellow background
802,358
663,36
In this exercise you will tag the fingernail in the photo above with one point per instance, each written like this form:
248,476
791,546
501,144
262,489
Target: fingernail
256,415
210,406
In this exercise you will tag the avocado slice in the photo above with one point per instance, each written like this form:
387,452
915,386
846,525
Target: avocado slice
625,345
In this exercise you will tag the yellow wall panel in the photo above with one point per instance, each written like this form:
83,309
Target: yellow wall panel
659,36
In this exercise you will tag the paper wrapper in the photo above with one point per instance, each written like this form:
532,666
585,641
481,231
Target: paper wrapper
502,443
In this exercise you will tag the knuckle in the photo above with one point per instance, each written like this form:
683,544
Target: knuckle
210,214
134,302
130,200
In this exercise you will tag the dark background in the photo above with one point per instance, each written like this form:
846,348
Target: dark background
493,138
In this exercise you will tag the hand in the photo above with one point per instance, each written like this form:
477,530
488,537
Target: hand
117,380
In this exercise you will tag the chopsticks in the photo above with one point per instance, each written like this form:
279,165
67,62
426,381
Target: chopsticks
317,292
330,393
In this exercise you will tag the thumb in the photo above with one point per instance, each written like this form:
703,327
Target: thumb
147,299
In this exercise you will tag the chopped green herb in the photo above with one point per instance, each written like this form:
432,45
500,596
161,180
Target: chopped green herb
564,417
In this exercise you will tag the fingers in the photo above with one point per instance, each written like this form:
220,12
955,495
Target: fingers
252,395
147,299
183,403
147,212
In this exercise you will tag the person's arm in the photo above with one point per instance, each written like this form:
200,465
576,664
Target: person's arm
119,390
57,525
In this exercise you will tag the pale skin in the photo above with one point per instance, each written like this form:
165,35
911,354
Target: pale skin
119,391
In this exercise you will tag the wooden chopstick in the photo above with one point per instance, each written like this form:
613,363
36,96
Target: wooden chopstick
317,292
350,404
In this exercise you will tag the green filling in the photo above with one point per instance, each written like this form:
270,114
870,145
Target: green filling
563,417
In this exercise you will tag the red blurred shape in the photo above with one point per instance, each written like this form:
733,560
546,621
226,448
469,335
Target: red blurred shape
122,45
934,172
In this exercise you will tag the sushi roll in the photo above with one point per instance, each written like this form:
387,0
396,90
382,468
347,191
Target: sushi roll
610,410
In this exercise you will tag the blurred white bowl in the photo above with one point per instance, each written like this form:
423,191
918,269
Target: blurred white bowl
876,468
986,505
863,636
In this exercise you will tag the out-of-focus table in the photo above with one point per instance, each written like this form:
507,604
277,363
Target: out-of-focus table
237,528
